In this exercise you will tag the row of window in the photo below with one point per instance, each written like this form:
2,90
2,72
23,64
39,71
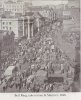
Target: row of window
13,9
7,28
18,9
6,23
18,6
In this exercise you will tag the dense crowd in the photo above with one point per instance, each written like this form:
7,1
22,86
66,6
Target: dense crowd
38,58
71,37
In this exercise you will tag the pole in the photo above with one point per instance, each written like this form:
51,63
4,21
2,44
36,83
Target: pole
28,28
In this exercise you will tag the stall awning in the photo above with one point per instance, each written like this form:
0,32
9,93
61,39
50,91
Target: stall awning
40,77
41,73
9,70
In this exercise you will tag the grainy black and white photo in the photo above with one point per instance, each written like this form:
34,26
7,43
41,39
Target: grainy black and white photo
39,46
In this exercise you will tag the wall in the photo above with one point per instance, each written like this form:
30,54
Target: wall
7,26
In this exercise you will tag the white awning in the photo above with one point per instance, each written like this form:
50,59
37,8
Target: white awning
9,70
41,73
40,77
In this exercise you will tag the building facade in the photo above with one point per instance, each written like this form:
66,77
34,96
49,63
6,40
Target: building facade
9,24
20,26
15,7
45,11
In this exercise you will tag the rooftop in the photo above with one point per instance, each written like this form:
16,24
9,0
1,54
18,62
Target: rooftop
10,2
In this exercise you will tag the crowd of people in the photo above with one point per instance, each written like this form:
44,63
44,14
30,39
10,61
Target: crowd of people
71,37
40,53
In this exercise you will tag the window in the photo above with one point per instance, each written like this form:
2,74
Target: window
3,23
10,28
10,23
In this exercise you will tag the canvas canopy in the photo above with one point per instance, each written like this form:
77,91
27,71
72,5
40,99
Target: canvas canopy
40,76
9,70
41,73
